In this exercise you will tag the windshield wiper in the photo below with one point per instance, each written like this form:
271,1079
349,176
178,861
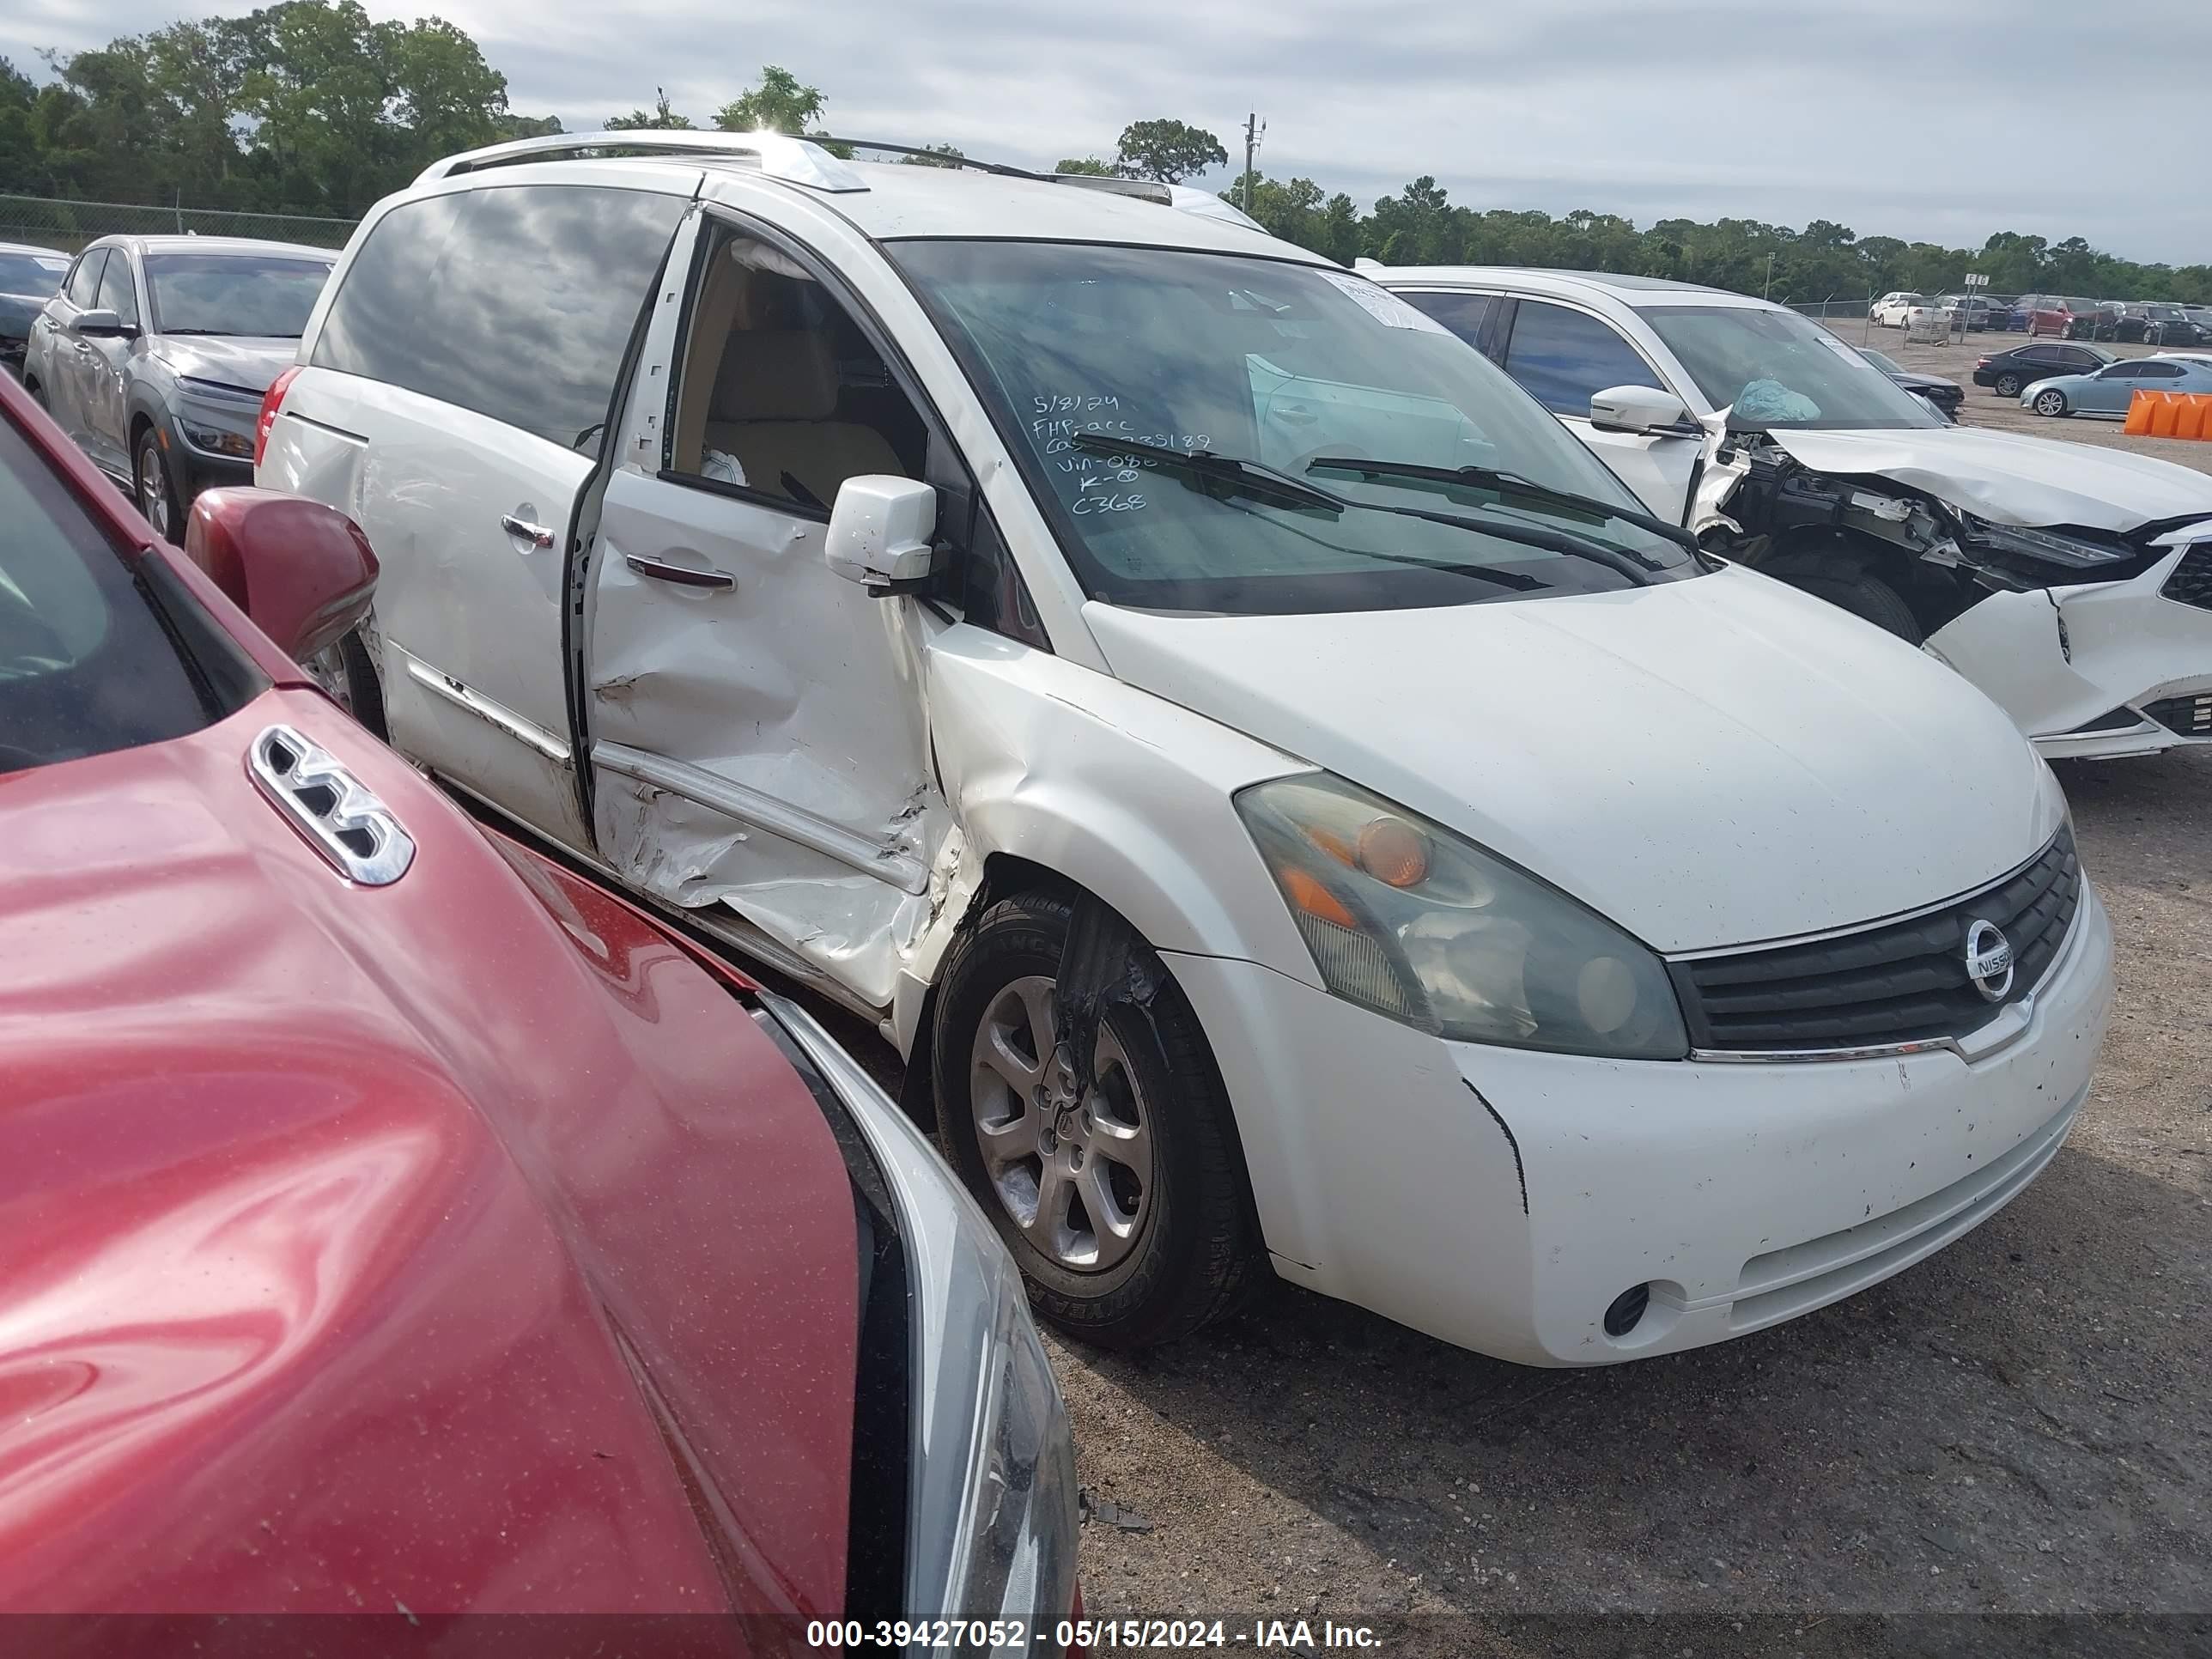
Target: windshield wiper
225,332
1259,482
1512,485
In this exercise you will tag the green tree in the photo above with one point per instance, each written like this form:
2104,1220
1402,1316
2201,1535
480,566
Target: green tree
19,145
779,104
937,155
1087,164
659,118
1168,151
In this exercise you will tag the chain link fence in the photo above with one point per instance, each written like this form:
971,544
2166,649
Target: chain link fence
57,222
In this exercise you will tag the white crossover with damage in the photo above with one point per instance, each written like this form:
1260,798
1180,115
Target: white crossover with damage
1292,806
2070,582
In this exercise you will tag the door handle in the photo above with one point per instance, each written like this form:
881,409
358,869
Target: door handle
536,534
682,575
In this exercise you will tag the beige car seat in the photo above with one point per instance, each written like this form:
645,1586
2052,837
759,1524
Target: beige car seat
772,399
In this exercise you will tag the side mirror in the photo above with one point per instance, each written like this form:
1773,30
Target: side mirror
302,571
882,531
1643,410
101,324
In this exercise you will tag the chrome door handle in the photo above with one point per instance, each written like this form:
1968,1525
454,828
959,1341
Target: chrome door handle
536,534
682,575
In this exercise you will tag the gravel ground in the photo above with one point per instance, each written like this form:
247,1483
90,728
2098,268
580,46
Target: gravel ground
2021,1424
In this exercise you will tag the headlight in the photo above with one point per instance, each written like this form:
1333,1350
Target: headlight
216,439
1407,919
216,419
2048,545
991,1520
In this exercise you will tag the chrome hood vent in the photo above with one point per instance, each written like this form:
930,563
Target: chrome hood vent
343,821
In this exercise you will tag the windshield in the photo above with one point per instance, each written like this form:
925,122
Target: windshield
30,273
92,658
233,294
1771,368
1887,365
1277,363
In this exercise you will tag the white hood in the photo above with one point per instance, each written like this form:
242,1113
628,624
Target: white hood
1708,762
2011,478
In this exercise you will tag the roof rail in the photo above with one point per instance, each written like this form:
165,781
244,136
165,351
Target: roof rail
778,155
1188,198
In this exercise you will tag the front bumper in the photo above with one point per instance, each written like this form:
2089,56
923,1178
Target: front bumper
1501,1200
2081,669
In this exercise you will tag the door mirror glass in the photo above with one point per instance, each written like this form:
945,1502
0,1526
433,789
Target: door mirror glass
1642,410
101,324
881,531
302,571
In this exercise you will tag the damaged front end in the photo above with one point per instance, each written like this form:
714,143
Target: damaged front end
2097,640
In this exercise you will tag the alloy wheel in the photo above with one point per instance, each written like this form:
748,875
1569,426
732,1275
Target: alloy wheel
2049,402
1073,1169
154,499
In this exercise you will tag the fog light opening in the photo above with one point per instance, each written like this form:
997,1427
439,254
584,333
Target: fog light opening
1627,1311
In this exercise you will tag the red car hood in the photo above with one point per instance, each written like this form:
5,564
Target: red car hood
457,1244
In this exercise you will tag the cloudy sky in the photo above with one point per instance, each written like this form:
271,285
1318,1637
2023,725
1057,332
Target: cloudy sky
1895,116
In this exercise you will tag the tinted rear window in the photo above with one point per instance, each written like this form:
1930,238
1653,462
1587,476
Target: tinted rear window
515,302
98,652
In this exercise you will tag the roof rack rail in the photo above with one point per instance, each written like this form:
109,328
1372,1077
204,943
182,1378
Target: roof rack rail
778,155
1189,197
1143,189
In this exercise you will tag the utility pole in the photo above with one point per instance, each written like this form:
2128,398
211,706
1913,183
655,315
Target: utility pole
1255,130
1767,293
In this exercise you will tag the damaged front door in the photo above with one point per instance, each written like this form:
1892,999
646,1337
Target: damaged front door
759,737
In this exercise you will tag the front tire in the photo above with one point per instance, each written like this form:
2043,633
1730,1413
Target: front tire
1126,1207
158,499
1868,597
2009,386
2051,404
345,672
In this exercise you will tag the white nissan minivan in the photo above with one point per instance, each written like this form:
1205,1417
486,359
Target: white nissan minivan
1290,803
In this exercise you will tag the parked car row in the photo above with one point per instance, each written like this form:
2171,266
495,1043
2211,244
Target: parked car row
2067,317
1253,736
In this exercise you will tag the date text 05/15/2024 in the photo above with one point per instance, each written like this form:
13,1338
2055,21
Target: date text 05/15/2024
1098,1635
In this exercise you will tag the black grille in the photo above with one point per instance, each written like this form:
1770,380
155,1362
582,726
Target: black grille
2191,580
2189,716
1899,981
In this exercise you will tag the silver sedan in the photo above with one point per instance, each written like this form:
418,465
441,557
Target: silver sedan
2110,390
